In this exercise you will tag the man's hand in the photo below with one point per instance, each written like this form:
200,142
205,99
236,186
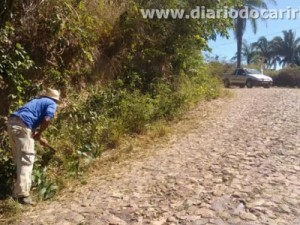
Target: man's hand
44,142
36,135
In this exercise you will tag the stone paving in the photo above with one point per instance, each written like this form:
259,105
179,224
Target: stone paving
241,166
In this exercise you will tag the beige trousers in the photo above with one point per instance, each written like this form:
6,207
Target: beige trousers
22,146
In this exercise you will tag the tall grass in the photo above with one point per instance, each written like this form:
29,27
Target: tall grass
97,121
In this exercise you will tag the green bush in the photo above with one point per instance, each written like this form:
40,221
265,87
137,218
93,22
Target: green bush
288,77
14,61
167,101
219,68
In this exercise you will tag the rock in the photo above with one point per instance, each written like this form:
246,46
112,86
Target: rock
64,222
277,199
113,220
158,222
234,221
180,215
193,201
296,221
248,216
192,218
205,213
239,209
193,180
218,206
218,193
270,214
297,168
269,203
257,202
200,222
268,221
224,215
94,220
172,219
284,208
192,210
219,222
117,195
291,201
257,210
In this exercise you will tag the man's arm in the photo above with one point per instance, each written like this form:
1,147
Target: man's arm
37,134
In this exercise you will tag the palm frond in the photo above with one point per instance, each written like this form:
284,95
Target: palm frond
240,24
255,4
254,25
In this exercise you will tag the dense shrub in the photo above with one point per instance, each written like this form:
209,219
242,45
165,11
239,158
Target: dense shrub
7,169
217,68
98,121
288,77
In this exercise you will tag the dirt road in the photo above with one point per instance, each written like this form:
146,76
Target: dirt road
239,165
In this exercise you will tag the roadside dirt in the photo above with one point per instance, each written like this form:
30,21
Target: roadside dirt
231,161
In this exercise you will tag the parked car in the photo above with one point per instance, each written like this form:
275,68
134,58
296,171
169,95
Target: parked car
247,77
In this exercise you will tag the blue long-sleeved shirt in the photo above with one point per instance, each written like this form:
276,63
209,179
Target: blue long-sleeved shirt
33,113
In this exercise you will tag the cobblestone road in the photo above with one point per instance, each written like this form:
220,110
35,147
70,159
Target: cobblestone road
239,166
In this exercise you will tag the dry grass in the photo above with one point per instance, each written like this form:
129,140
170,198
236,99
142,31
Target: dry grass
10,211
109,10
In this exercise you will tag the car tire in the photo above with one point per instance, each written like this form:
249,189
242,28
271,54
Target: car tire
226,83
249,84
242,86
267,86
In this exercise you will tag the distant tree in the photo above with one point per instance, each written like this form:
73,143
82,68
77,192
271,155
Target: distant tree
264,49
287,48
297,60
248,53
240,23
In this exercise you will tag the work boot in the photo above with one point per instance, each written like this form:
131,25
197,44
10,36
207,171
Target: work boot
26,201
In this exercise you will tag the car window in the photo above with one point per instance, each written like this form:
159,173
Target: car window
252,71
241,72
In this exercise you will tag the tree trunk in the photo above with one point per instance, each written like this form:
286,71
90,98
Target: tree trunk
5,10
4,102
239,37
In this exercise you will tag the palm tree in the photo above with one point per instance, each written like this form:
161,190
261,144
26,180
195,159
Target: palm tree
266,52
240,23
288,48
248,53
297,61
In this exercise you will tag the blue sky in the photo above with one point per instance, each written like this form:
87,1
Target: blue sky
226,48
